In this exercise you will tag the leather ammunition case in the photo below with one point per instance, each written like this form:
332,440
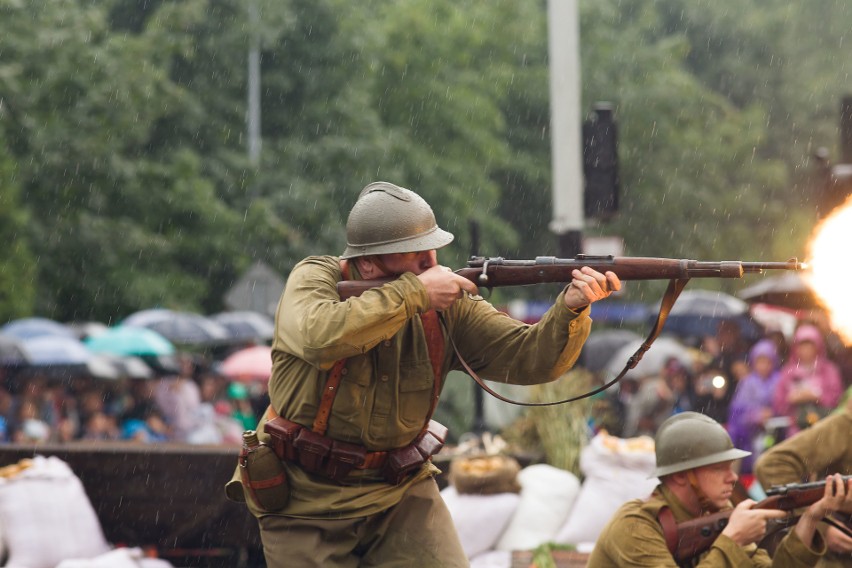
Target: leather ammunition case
401,462
313,449
343,458
283,434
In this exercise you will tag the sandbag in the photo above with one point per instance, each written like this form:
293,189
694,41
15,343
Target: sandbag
616,470
47,517
479,519
547,497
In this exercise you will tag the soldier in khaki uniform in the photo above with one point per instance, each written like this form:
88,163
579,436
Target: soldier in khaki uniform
694,463
339,515
825,447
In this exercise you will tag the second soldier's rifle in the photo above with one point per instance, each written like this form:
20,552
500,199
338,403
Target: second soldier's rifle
690,538
493,272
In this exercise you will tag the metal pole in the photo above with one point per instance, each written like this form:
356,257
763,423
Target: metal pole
253,114
566,125
479,426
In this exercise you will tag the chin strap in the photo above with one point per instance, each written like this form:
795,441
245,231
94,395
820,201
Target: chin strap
674,289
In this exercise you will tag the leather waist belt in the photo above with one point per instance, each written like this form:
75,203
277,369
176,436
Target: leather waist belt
334,459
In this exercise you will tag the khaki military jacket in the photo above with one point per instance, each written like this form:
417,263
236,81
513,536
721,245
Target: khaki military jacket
822,449
385,396
634,538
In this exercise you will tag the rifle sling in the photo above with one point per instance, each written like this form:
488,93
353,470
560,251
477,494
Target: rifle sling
674,289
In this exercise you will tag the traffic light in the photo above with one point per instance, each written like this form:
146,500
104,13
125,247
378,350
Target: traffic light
600,163
834,182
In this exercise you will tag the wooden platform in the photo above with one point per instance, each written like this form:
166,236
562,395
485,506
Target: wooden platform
166,497
561,559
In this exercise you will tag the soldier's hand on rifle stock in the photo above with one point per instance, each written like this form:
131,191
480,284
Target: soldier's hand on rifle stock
747,525
590,286
445,287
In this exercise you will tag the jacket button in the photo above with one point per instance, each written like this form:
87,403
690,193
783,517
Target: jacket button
384,378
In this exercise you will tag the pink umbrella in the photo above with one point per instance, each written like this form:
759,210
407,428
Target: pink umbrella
249,364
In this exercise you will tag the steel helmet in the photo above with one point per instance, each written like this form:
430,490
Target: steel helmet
688,440
391,219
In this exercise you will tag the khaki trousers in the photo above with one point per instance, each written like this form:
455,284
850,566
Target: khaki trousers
418,531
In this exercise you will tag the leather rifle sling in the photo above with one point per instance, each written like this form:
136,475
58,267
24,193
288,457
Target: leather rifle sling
674,289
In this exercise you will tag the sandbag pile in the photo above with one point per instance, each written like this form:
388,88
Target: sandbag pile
498,507
47,521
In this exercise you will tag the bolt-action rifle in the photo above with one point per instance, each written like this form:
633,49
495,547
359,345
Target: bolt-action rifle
492,272
697,535
495,272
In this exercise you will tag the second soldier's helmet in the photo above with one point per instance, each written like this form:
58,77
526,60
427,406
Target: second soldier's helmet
391,219
688,440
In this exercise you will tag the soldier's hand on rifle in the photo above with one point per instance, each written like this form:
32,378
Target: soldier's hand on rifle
837,541
747,525
837,497
445,287
590,286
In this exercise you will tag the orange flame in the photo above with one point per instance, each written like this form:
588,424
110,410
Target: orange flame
831,266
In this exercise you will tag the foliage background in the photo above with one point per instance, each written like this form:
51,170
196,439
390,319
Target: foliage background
124,181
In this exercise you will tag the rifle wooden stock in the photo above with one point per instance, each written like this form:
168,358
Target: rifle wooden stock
697,535
497,271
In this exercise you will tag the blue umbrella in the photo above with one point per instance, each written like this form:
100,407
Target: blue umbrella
27,328
130,340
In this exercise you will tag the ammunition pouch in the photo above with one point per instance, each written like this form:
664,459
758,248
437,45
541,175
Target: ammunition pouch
406,460
335,459
313,449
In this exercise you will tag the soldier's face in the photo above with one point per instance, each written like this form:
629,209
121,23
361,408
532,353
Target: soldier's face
414,262
717,482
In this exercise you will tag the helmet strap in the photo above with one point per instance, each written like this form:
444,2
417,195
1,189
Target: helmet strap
703,501
380,264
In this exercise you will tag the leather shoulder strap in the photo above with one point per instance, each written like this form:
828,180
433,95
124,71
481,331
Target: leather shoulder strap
435,345
667,521
327,401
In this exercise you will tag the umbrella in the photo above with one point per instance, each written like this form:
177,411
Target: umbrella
27,328
697,313
600,346
652,362
130,340
184,328
12,352
60,356
126,366
249,364
789,290
246,325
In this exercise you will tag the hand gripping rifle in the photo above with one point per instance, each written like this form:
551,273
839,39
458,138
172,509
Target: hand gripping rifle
493,272
688,539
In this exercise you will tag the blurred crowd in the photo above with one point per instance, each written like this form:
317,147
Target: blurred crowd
764,389
187,402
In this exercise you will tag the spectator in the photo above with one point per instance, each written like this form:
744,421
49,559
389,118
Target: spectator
242,409
810,385
751,405
178,397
